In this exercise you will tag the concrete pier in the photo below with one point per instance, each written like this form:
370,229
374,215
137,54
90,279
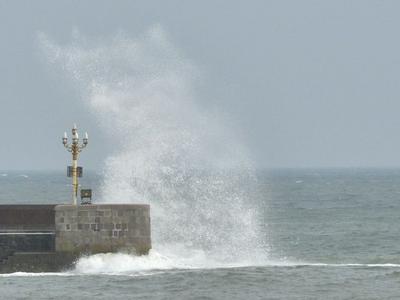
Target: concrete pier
48,238
103,228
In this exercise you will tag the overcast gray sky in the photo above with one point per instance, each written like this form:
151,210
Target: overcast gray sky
306,83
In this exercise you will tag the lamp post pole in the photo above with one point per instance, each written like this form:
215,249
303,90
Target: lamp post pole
75,148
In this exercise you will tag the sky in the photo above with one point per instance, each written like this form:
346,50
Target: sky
303,83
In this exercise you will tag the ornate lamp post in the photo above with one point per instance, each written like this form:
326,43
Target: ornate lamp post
75,148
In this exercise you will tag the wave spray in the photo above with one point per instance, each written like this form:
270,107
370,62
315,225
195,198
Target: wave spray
169,153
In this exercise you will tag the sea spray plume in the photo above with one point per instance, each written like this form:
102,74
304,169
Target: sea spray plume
170,153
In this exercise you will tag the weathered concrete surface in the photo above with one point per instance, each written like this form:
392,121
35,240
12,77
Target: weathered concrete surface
26,228
103,228
38,262
12,242
27,217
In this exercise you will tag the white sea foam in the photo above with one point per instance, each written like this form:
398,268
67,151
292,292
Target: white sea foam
316,264
120,264
156,263
23,176
170,258
169,153
388,265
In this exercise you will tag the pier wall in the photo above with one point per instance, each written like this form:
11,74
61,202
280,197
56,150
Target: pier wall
26,228
27,217
39,238
103,228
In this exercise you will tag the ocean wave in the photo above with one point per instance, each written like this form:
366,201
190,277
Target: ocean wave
120,264
159,262
305,264
23,176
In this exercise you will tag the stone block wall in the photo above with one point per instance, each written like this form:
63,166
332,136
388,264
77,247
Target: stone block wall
103,228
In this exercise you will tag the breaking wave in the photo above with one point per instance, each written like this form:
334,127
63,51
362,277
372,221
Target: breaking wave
170,153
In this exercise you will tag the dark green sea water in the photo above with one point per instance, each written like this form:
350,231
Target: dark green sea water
329,234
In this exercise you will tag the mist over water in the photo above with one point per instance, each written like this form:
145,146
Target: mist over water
169,152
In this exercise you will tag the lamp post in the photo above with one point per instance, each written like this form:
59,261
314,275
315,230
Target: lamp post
75,148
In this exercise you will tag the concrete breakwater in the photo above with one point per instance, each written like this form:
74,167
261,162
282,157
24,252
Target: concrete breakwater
45,238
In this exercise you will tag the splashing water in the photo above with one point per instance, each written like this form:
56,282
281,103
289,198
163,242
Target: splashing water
170,153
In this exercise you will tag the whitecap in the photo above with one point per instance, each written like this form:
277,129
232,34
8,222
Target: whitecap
23,176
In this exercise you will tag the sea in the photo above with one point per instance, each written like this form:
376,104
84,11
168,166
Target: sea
326,233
